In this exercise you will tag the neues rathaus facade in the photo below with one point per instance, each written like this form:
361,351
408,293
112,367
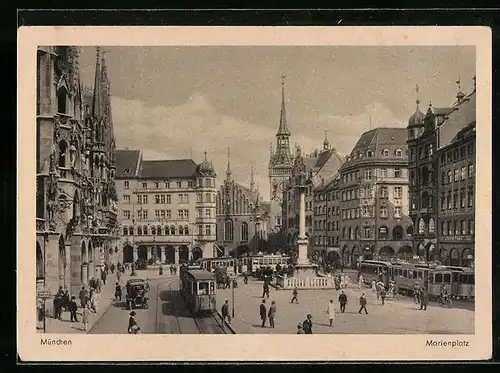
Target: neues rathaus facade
76,226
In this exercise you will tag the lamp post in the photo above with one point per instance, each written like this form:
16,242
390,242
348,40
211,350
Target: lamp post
232,286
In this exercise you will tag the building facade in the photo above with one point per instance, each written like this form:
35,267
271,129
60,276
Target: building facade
166,208
326,221
243,219
373,190
76,226
456,153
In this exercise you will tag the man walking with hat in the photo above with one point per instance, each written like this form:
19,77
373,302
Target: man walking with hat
263,312
307,325
132,323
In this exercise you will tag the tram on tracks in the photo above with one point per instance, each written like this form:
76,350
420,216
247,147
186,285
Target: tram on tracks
198,289
210,264
259,262
458,281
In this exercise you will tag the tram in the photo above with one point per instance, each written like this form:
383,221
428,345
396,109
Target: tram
198,290
462,282
263,261
209,264
377,270
406,275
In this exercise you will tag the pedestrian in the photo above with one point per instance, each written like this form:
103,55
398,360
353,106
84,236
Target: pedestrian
105,269
118,291
57,306
72,307
225,312
295,292
85,317
118,275
132,323
374,285
424,299
272,313
94,301
342,301
99,285
92,283
65,300
263,312
82,295
245,278
300,330
112,267
60,292
307,324
360,282
103,276
346,281
331,312
265,289
362,303
383,294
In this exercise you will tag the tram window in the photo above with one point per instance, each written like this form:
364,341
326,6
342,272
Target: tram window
415,274
410,274
438,278
447,278
405,273
420,275
471,279
202,288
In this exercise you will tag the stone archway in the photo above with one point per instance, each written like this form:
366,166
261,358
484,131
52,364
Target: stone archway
142,253
197,253
169,254
405,252
183,254
444,256
355,254
386,252
62,262
422,253
40,272
346,257
431,252
467,258
333,258
128,253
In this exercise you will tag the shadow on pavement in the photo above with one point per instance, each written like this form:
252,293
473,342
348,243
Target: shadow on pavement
173,304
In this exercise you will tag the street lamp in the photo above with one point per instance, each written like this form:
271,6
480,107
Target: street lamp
232,286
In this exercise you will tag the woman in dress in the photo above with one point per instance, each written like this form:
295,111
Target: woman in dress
331,312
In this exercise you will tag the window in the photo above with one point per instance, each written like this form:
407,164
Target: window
168,214
432,226
455,199
369,153
157,185
186,230
462,152
183,214
181,230
200,213
443,201
157,214
462,197
421,226
126,198
157,198
470,172
199,197
385,152
125,231
397,172
126,185
167,184
383,212
471,227
463,227
162,214
443,159
448,200
455,178
208,213
397,212
383,192
244,231
190,184
443,228
144,185
208,197
368,174
399,153
228,230
367,232
470,197
450,177
126,214
443,178
200,182
412,155
398,192
179,184
457,228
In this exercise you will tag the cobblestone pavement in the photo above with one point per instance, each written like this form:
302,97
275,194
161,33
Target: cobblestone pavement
399,316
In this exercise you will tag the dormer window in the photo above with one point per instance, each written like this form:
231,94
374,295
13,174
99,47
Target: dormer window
369,153
399,153
385,152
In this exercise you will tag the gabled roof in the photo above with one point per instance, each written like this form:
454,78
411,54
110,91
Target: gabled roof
462,117
126,163
164,169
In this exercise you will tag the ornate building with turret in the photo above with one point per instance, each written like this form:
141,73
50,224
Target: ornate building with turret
243,218
76,226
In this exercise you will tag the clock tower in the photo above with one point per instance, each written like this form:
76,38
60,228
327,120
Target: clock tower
280,160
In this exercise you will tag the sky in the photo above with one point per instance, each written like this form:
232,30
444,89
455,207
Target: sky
177,102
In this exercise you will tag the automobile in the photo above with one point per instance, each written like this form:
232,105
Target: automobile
137,293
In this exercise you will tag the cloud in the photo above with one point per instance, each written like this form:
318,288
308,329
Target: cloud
189,129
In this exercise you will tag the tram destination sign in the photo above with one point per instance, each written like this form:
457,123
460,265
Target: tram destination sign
44,294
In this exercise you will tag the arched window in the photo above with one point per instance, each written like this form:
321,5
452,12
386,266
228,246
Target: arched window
125,231
432,227
398,153
244,231
369,153
385,152
228,230
425,175
425,200
181,229
409,230
158,230
145,230
61,100
139,231
397,233
186,230
153,231
383,232
421,226
343,232
167,230
356,233
172,230
351,233
63,149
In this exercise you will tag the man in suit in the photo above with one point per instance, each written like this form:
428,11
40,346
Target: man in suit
72,308
342,301
263,312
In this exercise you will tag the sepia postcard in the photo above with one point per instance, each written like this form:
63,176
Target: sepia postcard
210,193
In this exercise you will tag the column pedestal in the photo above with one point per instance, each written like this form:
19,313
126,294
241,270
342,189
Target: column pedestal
162,255
176,259
136,254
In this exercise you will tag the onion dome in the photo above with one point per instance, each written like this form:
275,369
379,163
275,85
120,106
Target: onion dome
206,167
417,119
